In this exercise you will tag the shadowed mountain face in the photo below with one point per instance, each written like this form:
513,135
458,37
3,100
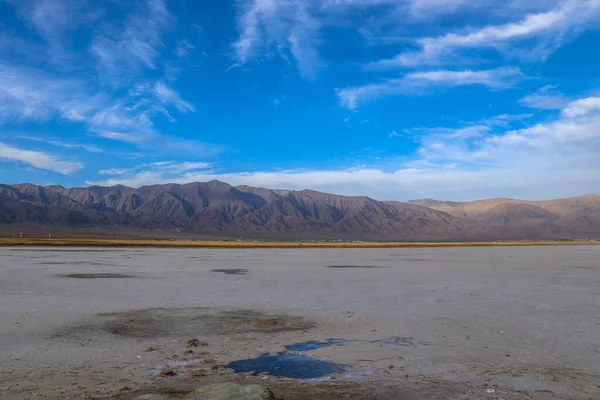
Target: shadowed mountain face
220,210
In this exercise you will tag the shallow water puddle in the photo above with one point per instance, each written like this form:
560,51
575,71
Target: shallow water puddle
313,345
299,366
287,365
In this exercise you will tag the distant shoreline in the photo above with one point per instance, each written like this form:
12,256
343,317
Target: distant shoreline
183,244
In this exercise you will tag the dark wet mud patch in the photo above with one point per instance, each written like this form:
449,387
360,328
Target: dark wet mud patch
232,271
287,365
97,276
355,266
188,323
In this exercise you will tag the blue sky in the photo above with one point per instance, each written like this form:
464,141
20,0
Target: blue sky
394,99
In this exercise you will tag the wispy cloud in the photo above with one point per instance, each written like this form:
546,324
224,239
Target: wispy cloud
53,20
184,48
414,8
161,171
31,94
123,51
58,143
114,171
38,159
129,137
168,96
415,83
286,26
546,98
555,25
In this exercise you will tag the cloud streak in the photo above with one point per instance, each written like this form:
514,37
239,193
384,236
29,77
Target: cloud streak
58,143
568,17
419,82
38,159
121,54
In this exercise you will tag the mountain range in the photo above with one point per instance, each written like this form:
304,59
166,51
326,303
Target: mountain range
218,210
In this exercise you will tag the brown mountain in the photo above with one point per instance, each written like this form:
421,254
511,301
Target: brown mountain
216,209
576,217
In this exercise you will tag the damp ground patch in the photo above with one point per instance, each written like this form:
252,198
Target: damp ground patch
287,365
97,276
187,323
232,271
355,266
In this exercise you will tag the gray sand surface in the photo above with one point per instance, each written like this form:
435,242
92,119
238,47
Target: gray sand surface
498,323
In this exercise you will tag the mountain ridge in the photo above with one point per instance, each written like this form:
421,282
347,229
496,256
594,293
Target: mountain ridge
218,209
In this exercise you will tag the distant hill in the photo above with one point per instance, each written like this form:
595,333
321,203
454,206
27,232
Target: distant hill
576,217
216,209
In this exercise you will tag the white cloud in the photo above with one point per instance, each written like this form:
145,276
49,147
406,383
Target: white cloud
546,98
134,138
553,25
183,49
123,52
495,78
114,171
286,26
415,8
30,94
163,168
38,159
168,96
546,160
505,120
161,171
58,143
419,81
582,107
53,20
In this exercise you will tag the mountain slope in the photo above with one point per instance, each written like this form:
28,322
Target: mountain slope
574,217
217,209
